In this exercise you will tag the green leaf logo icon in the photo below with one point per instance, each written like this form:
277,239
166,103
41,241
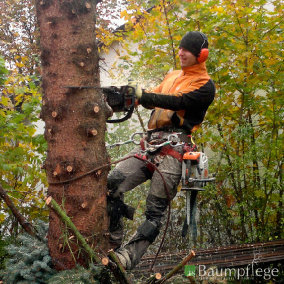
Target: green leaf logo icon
189,270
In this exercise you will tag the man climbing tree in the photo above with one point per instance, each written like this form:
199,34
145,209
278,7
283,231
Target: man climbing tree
74,114
180,103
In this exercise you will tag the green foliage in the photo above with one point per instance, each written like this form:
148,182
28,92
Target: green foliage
151,29
243,126
80,275
21,151
3,252
29,260
3,71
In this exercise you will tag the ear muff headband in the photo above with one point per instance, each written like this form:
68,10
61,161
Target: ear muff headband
204,52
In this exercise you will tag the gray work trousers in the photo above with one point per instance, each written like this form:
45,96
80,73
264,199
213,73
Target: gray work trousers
130,173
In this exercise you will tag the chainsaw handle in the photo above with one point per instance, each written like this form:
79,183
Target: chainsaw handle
127,116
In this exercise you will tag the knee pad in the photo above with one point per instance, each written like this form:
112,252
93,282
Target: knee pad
149,231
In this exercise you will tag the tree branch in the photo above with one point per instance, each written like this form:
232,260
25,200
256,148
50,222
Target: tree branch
170,35
175,269
21,219
113,263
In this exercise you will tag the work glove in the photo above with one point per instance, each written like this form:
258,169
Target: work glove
137,88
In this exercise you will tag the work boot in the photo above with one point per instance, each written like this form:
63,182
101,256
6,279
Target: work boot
124,258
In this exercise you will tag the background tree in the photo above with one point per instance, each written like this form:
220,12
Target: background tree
243,126
248,115
19,36
3,71
22,148
21,151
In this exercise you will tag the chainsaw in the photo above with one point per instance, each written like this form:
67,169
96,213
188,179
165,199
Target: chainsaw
120,99
195,176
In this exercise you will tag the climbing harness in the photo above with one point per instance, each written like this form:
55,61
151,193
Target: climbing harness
195,172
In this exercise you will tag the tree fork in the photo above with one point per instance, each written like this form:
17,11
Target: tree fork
74,133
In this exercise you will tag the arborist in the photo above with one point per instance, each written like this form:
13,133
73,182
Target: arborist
179,105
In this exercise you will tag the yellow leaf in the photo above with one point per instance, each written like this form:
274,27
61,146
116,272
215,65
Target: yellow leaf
5,101
124,14
25,59
2,218
19,64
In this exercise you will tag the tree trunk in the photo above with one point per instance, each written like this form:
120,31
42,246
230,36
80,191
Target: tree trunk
74,125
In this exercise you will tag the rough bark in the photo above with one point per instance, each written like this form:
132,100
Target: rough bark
74,124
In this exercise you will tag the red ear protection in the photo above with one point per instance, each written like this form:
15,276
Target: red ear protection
203,55
204,52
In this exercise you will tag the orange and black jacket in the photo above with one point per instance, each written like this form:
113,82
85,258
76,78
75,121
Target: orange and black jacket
181,100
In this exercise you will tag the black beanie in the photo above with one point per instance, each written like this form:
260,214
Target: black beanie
193,42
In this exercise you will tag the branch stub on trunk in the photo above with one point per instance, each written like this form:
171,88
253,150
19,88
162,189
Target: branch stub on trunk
69,169
54,114
92,132
96,108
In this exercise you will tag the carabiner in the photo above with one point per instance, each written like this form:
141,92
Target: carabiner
133,135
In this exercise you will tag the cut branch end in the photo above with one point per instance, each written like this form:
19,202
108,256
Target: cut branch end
54,114
48,200
158,276
105,261
84,205
96,108
92,132
69,169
